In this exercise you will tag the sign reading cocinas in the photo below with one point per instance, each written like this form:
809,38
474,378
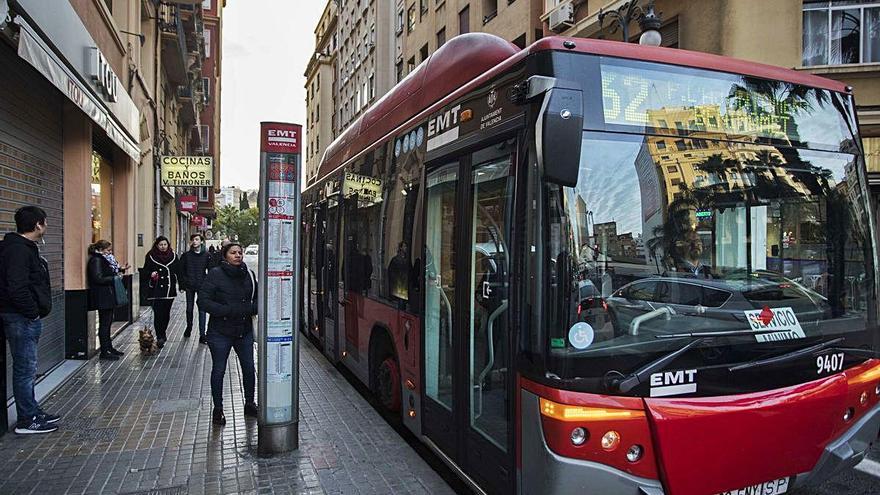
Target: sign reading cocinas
187,171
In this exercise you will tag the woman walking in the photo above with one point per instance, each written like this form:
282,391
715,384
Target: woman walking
229,295
163,267
102,272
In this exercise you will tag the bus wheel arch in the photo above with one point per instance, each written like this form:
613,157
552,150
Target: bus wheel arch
384,369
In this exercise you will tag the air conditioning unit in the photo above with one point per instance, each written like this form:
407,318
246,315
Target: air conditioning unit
562,17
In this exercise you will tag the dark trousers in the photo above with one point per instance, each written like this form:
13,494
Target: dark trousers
220,345
23,335
105,320
203,316
161,316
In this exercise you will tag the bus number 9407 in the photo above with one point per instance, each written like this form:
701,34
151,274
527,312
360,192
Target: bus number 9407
829,363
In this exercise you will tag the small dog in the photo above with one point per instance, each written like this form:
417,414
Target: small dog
147,342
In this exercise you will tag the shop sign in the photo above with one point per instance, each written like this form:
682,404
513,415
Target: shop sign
199,221
187,171
104,76
189,203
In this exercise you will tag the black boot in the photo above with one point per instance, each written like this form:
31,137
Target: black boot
116,352
251,410
218,418
108,356
188,331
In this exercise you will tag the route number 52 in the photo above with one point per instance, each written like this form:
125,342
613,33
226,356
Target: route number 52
829,363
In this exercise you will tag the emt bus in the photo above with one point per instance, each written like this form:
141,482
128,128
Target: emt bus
591,267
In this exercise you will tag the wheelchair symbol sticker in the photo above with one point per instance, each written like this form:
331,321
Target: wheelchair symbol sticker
581,335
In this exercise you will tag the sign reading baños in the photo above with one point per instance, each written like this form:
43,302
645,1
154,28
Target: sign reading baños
187,171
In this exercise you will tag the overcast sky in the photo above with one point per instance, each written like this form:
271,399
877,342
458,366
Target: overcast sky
266,46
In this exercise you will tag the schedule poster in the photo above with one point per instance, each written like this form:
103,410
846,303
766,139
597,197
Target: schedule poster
279,269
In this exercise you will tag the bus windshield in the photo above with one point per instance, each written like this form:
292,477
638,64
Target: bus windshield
715,217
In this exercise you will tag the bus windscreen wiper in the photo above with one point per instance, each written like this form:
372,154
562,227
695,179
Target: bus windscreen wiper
618,382
787,356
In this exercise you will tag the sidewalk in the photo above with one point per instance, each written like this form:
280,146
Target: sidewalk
143,425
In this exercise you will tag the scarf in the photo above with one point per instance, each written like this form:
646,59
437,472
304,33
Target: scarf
112,260
161,257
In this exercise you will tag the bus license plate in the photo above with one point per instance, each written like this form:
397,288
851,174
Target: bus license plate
774,487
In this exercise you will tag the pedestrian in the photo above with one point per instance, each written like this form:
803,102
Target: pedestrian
193,269
163,265
229,295
102,272
213,257
25,298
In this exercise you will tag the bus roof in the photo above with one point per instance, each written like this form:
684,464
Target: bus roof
471,59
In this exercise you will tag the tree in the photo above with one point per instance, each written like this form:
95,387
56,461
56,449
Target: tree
242,225
244,205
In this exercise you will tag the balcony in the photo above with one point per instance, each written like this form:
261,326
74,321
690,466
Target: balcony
189,110
174,58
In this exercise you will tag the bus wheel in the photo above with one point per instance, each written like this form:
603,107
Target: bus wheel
387,382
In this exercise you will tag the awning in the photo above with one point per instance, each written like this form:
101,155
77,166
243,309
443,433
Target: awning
32,49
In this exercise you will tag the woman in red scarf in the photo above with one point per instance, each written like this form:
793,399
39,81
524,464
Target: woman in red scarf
161,267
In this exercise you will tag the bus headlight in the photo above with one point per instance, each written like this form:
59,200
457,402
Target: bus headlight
578,436
610,440
634,453
877,389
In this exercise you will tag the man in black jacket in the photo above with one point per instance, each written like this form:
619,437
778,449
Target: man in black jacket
25,298
194,268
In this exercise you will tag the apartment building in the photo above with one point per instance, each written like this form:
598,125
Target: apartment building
94,92
364,57
209,121
423,26
320,85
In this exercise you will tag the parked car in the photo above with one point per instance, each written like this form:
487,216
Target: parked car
252,256
720,304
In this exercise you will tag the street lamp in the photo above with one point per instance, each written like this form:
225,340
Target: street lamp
631,11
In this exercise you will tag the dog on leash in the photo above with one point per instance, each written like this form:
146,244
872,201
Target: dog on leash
147,342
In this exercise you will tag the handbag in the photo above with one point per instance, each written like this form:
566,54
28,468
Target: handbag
119,290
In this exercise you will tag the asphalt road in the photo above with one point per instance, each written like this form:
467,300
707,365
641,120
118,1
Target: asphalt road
864,479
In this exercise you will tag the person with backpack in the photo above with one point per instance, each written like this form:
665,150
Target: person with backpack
102,272
229,295
25,299
162,267
194,266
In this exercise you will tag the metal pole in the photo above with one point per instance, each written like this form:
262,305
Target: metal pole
279,287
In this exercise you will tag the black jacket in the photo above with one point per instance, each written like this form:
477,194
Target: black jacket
24,278
166,286
229,295
193,269
102,288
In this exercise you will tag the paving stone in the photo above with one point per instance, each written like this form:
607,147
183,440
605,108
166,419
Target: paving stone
142,425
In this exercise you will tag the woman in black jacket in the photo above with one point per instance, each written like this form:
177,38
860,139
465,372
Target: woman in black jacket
162,268
229,295
102,271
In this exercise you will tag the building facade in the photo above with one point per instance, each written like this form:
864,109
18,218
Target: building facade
94,93
320,83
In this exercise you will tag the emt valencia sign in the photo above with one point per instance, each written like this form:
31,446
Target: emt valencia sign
187,171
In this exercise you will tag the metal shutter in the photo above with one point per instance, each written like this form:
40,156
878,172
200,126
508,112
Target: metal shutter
31,172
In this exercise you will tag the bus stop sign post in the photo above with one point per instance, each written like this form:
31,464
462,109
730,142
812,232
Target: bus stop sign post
279,286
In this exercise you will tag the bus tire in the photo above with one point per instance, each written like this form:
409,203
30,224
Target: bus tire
387,382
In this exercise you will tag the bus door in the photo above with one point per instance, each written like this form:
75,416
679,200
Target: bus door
332,293
468,379
317,270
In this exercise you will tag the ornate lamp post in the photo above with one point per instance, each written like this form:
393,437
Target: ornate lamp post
631,11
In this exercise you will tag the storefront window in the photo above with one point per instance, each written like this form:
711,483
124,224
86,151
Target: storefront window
102,183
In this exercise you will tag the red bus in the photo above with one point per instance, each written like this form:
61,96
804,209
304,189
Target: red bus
597,267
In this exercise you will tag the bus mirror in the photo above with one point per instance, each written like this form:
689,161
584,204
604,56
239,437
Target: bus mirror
559,133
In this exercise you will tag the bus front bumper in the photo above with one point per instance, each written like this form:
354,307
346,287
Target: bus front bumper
846,451
544,471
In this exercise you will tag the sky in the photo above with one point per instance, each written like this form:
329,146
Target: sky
266,47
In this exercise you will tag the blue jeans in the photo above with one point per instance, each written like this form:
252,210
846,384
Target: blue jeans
203,316
23,335
220,346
